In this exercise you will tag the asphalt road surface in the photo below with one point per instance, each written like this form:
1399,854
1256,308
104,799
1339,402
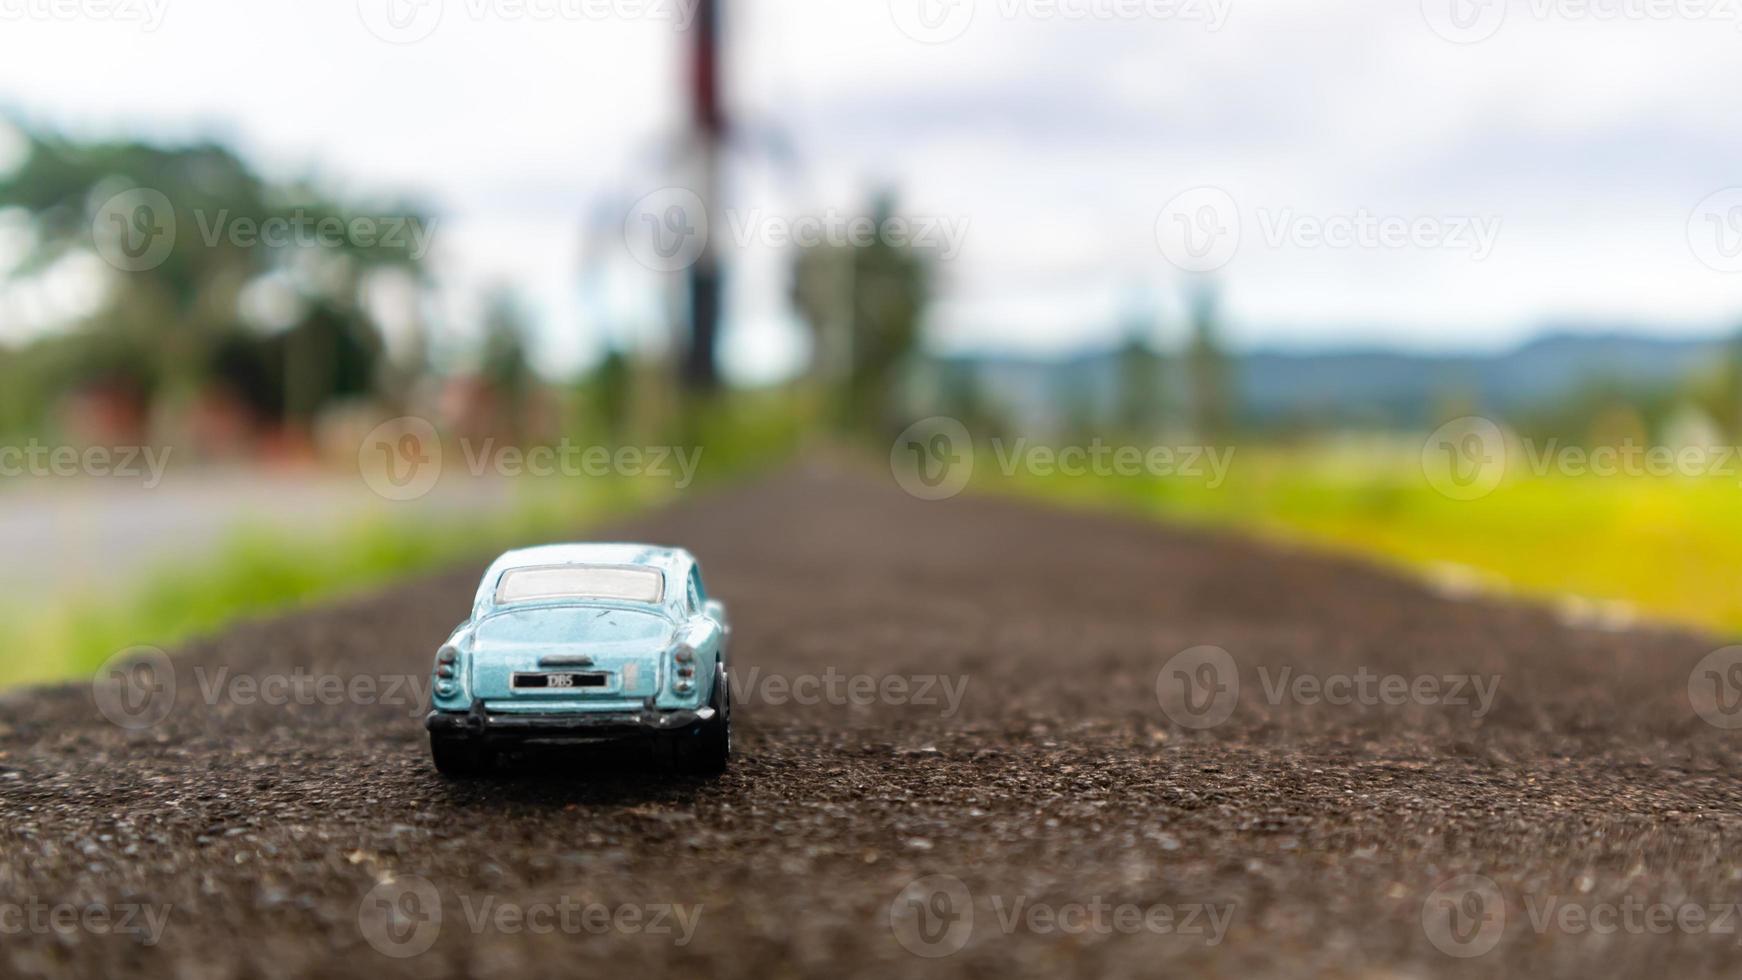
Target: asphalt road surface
974,738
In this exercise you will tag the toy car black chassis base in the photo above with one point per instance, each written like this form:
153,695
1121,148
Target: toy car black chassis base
595,727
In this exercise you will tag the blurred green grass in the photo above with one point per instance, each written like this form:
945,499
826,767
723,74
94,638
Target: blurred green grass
261,570
1660,548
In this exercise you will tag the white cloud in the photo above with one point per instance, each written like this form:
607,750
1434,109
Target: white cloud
1059,140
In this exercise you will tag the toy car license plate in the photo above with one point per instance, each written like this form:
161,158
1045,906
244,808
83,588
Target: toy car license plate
560,680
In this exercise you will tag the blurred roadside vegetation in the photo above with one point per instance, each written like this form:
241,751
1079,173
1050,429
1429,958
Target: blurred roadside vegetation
1605,552
285,356
262,569
275,358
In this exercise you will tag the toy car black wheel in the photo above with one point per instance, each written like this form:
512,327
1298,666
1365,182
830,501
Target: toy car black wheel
458,758
708,750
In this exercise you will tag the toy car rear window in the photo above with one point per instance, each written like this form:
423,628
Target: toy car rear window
610,582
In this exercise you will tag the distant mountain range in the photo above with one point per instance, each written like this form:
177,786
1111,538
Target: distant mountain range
1351,386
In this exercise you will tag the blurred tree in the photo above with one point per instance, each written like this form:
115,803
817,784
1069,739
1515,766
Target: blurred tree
331,353
1728,410
1207,365
177,326
12,411
863,303
1140,406
960,394
1586,415
503,362
605,396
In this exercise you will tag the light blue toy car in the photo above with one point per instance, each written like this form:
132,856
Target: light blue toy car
581,643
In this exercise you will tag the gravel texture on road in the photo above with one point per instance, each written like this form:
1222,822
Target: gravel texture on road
974,738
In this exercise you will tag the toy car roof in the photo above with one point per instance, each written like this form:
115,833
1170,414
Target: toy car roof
670,560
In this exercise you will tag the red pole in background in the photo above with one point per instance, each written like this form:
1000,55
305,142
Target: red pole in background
708,121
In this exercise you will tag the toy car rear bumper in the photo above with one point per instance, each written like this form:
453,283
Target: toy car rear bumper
585,726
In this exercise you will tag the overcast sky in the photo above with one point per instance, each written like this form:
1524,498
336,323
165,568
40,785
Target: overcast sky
1543,165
